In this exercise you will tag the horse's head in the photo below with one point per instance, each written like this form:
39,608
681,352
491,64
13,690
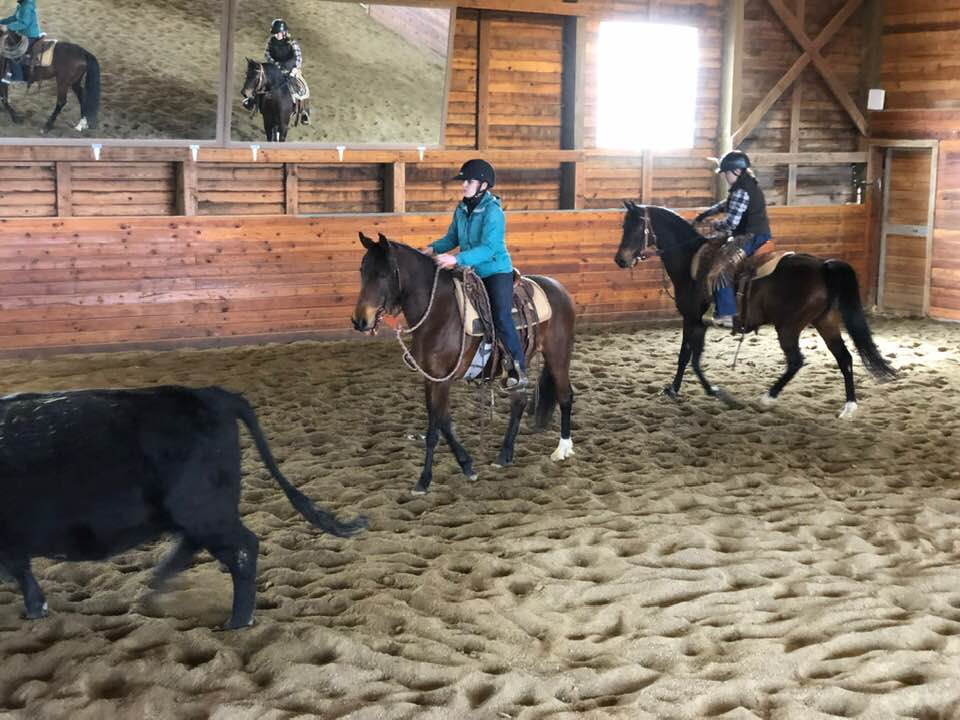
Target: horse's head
638,240
379,284
255,81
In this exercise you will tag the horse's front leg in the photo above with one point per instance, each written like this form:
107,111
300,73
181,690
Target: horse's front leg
5,101
697,336
673,389
518,401
438,420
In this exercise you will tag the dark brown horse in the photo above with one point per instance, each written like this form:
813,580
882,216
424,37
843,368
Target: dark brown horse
270,89
396,278
802,291
72,68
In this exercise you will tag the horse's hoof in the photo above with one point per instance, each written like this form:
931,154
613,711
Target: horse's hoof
499,464
39,614
82,125
848,412
418,489
671,393
563,451
768,400
472,477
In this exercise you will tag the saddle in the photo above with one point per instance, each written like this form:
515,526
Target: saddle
721,263
530,308
41,54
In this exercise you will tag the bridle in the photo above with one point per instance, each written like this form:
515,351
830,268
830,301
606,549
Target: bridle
258,89
648,234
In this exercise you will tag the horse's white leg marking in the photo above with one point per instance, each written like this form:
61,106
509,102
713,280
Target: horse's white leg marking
563,451
82,125
849,410
768,400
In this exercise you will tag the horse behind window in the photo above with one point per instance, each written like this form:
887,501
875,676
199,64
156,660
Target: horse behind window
73,68
270,90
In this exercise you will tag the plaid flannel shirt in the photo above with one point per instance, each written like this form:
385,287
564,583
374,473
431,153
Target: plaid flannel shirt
296,53
735,206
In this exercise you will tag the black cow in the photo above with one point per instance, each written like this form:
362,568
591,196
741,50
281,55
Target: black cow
90,473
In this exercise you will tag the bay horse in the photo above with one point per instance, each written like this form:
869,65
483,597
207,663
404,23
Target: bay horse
270,88
74,68
804,290
396,278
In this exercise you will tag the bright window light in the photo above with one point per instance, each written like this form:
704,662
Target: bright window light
647,86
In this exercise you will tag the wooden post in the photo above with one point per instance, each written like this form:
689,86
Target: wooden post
646,180
186,188
483,81
574,54
796,103
64,189
291,189
571,185
395,187
730,81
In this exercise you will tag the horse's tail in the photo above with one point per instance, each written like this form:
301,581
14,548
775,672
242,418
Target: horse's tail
844,289
546,399
91,90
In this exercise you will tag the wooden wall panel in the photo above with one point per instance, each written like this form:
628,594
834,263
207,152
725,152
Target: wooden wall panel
101,188
339,188
111,283
28,190
240,189
945,261
920,70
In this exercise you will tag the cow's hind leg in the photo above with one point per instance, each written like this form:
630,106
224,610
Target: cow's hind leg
237,549
179,559
34,603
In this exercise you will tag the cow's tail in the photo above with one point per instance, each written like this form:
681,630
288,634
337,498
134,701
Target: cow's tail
316,516
842,285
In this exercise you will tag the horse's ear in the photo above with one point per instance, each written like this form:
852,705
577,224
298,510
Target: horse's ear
366,242
384,241
630,205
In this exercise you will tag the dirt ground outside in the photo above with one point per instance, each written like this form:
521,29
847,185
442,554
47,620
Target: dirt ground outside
690,561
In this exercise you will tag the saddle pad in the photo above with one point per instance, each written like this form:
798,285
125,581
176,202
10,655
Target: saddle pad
43,51
471,319
770,263
765,249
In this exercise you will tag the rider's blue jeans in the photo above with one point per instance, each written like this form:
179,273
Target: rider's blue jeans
724,300
500,289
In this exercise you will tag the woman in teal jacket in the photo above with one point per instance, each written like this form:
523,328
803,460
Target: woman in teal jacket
478,229
25,22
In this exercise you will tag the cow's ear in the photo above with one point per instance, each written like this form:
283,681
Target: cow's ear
368,243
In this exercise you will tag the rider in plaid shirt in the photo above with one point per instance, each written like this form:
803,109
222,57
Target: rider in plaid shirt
746,220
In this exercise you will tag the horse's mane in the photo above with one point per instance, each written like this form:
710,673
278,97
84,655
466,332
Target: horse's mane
676,222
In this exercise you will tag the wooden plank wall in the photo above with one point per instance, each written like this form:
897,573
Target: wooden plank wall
920,70
945,264
111,283
822,125
905,262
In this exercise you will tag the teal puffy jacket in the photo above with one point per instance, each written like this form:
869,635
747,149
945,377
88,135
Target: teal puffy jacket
24,20
480,237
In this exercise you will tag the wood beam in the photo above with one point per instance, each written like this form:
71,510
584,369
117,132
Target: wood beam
64,189
572,87
796,104
646,180
812,49
483,81
291,189
395,187
730,80
798,66
809,158
571,185
186,188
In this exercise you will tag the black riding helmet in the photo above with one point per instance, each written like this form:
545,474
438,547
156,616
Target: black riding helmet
278,26
734,160
477,169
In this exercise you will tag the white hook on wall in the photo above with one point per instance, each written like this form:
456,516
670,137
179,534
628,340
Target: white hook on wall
340,149
421,149
254,149
194,152
96,150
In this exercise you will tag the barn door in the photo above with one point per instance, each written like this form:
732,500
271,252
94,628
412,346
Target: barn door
906,234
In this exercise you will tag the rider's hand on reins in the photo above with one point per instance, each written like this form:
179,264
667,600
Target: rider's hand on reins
445,260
